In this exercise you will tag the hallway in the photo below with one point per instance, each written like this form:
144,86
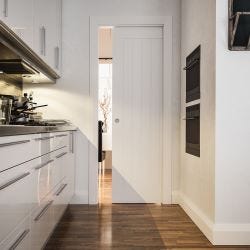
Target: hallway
126,226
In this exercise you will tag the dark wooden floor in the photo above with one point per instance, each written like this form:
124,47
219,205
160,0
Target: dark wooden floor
127,227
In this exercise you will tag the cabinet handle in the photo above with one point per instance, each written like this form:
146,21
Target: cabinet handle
19,240
57,57
43,41
72,142
11,182
6,8
61,155
44,138
190,118
43,165
64,135
43,211
61,189
13,143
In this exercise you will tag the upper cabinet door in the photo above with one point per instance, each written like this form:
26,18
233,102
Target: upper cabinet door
47,31
18,15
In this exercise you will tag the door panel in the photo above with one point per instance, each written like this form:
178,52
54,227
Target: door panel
137,114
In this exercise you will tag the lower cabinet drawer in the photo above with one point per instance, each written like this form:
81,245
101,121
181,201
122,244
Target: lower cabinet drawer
57,170
60,140
42,174
17,196
19,239
61,200
42,223
15,150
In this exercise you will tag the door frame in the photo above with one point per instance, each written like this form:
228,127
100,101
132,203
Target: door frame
166,23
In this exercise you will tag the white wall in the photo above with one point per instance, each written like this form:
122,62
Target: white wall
70,97
197,174
232,184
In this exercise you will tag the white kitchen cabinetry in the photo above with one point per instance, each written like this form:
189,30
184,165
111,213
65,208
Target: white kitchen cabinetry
23,147
42,223
39,24
19,239
17,196
34,194
47,31
18,15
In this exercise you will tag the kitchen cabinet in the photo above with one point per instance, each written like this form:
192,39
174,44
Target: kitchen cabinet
18,15
41,223
19,239
58,166
23,148
47,31
35,187
39,24
17,196
61,199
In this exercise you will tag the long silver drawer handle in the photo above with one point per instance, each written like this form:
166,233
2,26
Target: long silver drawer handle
61,155
43,40
44,138
6,5
19,240
43,165
61,189
57,57
11,182
43,211
13,143
61,135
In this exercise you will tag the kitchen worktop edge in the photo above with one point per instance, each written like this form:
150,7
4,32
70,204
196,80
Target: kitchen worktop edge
8,130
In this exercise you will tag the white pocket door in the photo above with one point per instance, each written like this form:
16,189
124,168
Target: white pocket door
137,114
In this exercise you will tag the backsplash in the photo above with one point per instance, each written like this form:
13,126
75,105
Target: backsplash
10,85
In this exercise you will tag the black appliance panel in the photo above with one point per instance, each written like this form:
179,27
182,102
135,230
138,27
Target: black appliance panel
193,130
193,76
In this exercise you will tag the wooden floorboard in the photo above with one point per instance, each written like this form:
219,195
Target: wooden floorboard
127,227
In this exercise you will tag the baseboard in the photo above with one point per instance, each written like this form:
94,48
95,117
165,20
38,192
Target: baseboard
217,234
231,234
198,217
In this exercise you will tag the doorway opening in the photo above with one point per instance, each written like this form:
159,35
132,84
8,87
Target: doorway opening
105,115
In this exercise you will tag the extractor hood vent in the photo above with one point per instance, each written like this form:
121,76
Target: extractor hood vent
17,66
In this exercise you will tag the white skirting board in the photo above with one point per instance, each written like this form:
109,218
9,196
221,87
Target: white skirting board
217,234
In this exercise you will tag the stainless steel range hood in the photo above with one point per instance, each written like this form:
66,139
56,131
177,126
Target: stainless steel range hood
18,59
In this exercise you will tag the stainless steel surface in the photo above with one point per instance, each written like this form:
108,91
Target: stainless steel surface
13,143
64,135
16,48
72,142
61,189
19,239
57,57
12,130
45,138
5,110
43,211
43,41
11,182
61,155
43,165
6,8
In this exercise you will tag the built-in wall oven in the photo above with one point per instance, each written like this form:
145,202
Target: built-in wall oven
193,75
193,130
